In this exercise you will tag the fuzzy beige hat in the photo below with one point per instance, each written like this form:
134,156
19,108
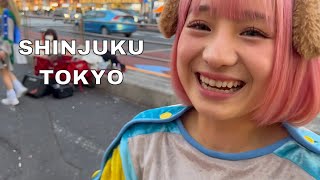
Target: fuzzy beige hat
306,25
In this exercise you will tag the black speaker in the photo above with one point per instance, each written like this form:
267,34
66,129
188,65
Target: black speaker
36,86
62,91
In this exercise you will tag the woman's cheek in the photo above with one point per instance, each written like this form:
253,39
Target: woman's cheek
259,59
187,47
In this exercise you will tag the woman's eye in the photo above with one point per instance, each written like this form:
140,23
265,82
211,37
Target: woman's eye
199,26
254,32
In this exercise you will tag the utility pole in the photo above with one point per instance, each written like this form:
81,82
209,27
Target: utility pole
44,7
151,5
25,23
141,7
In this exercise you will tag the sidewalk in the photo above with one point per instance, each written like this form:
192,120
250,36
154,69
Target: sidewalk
62,139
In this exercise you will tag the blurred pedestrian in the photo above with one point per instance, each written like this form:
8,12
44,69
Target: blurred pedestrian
248,74
10,36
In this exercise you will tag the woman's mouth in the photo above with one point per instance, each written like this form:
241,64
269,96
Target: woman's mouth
221,86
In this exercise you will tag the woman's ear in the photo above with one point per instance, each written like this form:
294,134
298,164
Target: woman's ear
169,18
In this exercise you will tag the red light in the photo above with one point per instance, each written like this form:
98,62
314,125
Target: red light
116,18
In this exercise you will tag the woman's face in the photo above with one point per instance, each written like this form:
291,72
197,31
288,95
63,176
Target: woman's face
224,63
49,37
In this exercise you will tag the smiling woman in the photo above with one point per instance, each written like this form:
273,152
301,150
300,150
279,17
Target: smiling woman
241,68
227,50
275,30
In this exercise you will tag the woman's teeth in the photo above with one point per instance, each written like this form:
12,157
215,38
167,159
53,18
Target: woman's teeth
220,86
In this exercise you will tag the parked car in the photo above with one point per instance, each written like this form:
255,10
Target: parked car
77,18
58,14
71,16
137,18
109,21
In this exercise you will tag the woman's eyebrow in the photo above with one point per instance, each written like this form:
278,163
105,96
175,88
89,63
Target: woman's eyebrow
204,8
244,15
201,8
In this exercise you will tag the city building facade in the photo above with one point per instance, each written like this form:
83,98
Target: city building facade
32,5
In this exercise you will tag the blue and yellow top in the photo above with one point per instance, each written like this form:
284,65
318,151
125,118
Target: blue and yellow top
155,145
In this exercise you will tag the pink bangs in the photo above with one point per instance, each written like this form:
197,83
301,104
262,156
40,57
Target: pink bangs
293,94
233,9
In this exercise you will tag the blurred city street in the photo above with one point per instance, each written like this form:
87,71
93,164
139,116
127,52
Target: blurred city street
61,139
155,57
52,139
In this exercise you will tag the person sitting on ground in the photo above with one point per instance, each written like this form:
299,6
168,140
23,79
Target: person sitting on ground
50,35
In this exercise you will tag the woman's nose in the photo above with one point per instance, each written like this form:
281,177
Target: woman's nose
220,51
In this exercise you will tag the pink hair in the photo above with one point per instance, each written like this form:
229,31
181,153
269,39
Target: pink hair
293,94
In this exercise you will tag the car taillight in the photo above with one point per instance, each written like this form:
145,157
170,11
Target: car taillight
116,18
